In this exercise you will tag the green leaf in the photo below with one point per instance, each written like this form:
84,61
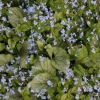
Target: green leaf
2,46
25,92
91,60
58,15
44,66
74,89
59,59
49,50
26,98
64,97
10,34
40,82
98,32
16,14
98,24
88,62
12,42
23,62
79,69
19,46
1,38
91,70
82,97
5,58
95,59
15,96
40,44
43,1
67,96
24,27
24,49
82,53
33,59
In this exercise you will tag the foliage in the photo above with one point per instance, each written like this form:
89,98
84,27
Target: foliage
49,50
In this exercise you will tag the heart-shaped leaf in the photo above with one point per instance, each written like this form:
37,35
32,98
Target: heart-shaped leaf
4,59
24,27
40,82
44,66
79,69
23,61
15,15
2,46
24,49
49,49
82,53
59,59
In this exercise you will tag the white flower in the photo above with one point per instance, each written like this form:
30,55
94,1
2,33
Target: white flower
24,19
97,36
3,80
1,68
19,89
88,39
40,58
77,96
32,91
93,50
98,75
63,31
82,7
12,61
88,22
67,11
54,42
62,81
41,93
63,22
35,22
92,77
90,89
96,87
6,96
79,89
50,35
69,73
91,98
15,70
28,85
76,80
43,97
22,78
85,89
99,89
60,72
52,23
48,96
93,2
81,35
85,79
37,90
49,83
12,91
1,4
39,28
31,9
67,62
8,4
64,90
4,19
